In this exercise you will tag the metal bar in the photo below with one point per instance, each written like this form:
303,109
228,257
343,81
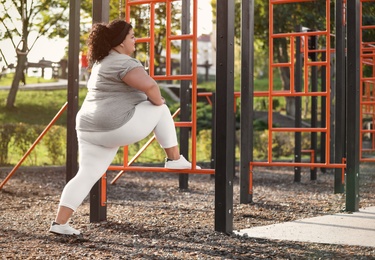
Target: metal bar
73,87
270,80
314,102
352,128
185,93
224,117
247,97
302,164
159,169
325,110
298,115
98,193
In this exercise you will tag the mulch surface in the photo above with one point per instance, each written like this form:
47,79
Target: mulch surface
148,217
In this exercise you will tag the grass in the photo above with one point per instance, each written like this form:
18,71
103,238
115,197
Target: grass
36,107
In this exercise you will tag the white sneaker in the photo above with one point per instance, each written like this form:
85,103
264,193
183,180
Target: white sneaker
179,164
63,229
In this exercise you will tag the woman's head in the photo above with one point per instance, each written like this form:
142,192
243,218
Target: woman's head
104,37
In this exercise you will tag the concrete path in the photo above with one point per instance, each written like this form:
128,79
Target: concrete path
357,229
60,84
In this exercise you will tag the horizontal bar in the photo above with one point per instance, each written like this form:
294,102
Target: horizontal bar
289,1
296,34
181,37
183,124
285,64
173,77
316,63
297,129
298,94
141,40
368,103
294,164
367,159
159,169
365,27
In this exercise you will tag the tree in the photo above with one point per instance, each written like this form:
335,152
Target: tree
21,18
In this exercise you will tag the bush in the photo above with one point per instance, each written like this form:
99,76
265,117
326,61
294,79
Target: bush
55,142
24,136
17,139
6,133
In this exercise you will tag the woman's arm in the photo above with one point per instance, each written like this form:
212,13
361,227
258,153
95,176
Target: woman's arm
139,79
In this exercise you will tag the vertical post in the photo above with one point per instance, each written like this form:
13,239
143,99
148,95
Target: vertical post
298,118
352,128
323,135
247,97
224,169
340,96
98,193
313,42
73,86
185,94
213,133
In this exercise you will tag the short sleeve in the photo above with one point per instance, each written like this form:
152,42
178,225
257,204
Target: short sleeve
130,65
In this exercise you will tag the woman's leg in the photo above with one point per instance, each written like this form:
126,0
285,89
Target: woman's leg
147,118
93,163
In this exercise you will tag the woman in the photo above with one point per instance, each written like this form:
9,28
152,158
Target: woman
123,105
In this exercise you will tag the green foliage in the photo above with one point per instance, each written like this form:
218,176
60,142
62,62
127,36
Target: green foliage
55,142
282,144
204,116
24,136
6,132
204,143
17,139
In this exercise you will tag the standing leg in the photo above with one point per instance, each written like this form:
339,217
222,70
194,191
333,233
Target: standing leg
93,162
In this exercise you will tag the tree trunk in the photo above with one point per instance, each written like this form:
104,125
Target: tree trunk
19,74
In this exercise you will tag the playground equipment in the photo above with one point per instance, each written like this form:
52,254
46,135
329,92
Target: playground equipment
225,96
303,64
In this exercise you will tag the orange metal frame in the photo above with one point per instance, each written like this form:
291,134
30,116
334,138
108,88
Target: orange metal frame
367,101
170,36
272,93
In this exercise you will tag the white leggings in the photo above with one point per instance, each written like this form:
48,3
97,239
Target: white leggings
97,149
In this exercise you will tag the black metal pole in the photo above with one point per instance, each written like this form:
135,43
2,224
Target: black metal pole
225,131
73,86
247,97
213,133
353,97
98,207
323,135
185,94
314,102
298,119
340,113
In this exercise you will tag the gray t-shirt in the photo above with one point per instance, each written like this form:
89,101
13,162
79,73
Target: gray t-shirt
109,103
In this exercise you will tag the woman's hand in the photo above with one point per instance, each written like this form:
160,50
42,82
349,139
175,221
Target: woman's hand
163,99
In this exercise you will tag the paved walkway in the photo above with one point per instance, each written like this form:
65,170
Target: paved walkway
356,229
60,84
